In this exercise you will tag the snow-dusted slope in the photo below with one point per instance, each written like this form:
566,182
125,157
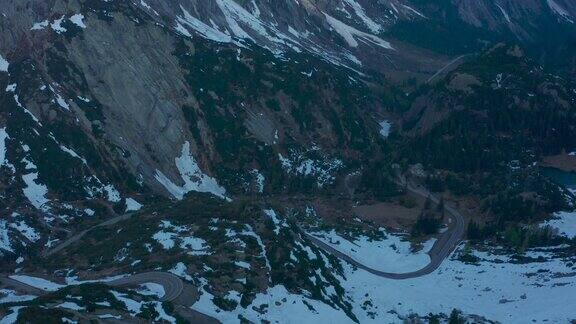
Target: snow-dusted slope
332,30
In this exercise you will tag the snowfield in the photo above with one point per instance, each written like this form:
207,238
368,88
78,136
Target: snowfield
37,282
496,288
564,222
389,255
194,179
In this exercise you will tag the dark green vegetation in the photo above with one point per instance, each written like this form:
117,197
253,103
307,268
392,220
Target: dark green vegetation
430,219
295,106
552,39
444,32
231,232
482,129
93,299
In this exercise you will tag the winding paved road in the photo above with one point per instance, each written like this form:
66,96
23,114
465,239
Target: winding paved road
79,235
443,247
447,66
173,285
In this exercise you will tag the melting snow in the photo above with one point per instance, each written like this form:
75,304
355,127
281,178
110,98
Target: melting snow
57,25
385,127
565,222
26,230
132,205
350,34
500,290
112,194
37,282
71,306
78,20
391,254
166,239
3,64
152,289
12,317
3,137
35,192
281,304
203,29
197,245
243,264
134,307
371,24
322,170
131,305
4,238
504,13
180,270
40,25
260,180
73,154
194,178
413,10
10,296
556,8
277,222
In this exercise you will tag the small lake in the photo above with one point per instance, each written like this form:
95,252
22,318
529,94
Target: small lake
567,179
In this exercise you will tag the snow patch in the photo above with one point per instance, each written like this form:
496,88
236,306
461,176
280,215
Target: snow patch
504,13
10,296
359,10
391,254
385,127
27,231
4,237
132,205
200,27
564,222
78,20
3,64
194,179
166,239
3,137
34,191
73,154
152,289
557,9
112,194
40,25
351,34
71,306
57,25
37,282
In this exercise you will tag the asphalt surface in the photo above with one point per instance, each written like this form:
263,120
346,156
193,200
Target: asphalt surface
79,235
442,248
174,288
447,66
21,287
173,285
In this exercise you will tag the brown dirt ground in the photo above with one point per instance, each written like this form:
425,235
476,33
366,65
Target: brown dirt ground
392,214
563,162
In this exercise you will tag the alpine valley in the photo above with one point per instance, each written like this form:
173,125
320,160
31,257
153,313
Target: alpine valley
287,161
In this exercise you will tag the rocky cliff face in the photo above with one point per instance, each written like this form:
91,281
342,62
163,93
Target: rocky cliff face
110,106
109,100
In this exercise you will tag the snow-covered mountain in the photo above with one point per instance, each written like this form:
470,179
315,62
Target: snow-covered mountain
237,131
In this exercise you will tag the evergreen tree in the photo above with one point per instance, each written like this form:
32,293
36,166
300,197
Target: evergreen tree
455,317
